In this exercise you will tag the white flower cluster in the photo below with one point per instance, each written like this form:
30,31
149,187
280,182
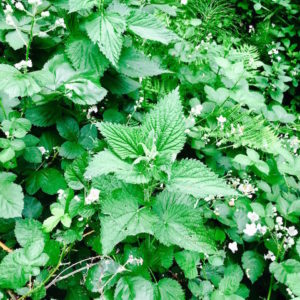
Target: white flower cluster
221,121
92,197
61,194
270,255
184,2
247,189
23,64
19,6
196,110
252,228
45,14
133,260
60,23
286,234
239,129
294,144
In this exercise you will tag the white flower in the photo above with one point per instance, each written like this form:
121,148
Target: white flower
35,2
19,6
76,198
80,219
61,193
221,119
22,64
252,216
250,229
8,9
60,23
184,2
261,229
233,247
270,256
93,196
231,202
45,14
247,189
42,149
279,221
292,231
196,110
9,20
290,241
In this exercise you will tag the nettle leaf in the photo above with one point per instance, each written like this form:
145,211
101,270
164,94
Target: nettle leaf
179,224
188,261
149,27
106,162
168,289
106,30
75,5
135,287
123,217
136,64
167,121
17,84
85,55
11,197
253,264
123,140
194,178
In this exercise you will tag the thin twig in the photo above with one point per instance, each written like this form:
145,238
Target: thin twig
5,248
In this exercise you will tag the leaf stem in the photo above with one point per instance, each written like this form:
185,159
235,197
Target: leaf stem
3,109
5,248
30,41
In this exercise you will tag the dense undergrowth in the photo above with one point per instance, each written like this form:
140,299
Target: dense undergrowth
149,149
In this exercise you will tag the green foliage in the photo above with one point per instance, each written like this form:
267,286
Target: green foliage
149,149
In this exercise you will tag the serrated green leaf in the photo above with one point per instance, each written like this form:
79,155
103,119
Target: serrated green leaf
11,199
168,289
149,27
71,150
135,64
106,162
123,140
232,277
85,55
74,174
133,288
180,225
192,177
188,261
253,264
283,269
17,84
75,5
167,121
106,30
123,218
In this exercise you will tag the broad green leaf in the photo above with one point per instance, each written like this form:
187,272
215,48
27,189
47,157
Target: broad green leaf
253,265
192,177
167,121
71,150
68,128
88,136
293,283
32,208
232,277
133,288
135,64
17,84
180,224
124,140
74,174
123,217
106,30
188,261
101,275
149,27
106,162
85,55
11,199
27,231
168,289
15,41
75,5
283,269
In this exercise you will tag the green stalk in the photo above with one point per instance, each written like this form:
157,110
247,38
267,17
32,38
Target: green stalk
29,42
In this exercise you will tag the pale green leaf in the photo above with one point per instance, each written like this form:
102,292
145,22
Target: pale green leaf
75,5
253,264
169,289
192,177
188,261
